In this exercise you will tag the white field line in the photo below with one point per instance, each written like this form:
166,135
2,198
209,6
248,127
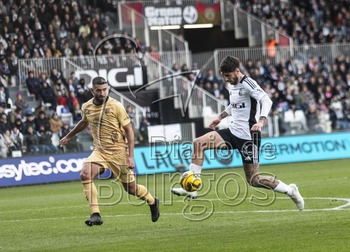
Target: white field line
168,202
174,214
338,208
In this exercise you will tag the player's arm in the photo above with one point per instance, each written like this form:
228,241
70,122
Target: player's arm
266,104
265,107
81,125
257,93
217,120
129,133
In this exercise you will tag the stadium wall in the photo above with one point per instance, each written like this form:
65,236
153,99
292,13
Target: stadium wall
162,157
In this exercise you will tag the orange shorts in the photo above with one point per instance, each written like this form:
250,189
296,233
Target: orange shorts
121,171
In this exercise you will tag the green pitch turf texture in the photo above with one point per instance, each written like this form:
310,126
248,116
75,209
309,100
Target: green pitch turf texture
229,216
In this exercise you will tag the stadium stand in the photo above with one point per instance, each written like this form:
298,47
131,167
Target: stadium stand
308,22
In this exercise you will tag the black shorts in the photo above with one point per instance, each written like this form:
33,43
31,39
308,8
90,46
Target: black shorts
249,149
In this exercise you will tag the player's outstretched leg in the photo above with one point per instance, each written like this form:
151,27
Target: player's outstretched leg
296,197
154,210
95,219
255,179
293,192
142,193
181,192
88,173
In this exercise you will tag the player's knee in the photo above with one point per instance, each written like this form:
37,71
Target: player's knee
196,142
89,171
199,145
254,181
84,176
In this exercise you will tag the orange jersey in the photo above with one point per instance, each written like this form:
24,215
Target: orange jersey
106,122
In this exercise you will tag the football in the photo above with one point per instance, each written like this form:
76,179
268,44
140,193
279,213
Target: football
190,182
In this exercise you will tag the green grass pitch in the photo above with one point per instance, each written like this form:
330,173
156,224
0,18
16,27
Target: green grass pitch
228,215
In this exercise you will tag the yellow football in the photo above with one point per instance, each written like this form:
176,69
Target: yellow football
190,182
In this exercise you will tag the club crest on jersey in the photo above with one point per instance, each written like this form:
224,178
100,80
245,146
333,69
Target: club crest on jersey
247,153
241,92
96,121
107,110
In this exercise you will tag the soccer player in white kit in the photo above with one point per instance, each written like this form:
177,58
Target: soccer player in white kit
249,107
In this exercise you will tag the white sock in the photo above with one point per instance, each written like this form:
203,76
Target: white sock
283,188
197,169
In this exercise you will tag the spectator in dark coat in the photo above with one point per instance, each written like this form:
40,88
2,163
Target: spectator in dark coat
45,141
83,93
48,96
211,77
42,120
4,96
29,122
4,123
57,75
72,145
19,124
5,73
33,85
31,140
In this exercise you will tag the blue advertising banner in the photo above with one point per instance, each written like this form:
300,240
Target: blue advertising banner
305,148
288,149
41,169
163,158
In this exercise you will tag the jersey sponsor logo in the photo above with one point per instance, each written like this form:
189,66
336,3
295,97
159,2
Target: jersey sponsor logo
238,105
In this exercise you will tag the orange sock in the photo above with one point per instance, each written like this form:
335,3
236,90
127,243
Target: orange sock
143,193
91,195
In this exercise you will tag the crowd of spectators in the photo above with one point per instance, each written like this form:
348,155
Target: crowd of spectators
307,22
45,29
58,28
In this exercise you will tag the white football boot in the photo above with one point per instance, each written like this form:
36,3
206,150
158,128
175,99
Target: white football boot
181,192
296,197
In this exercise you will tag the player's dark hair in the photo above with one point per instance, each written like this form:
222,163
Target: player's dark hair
229,64
98,81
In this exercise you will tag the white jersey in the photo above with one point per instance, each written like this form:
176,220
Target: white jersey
244,106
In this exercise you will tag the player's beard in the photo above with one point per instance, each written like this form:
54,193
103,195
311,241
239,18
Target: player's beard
234,80
100,99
